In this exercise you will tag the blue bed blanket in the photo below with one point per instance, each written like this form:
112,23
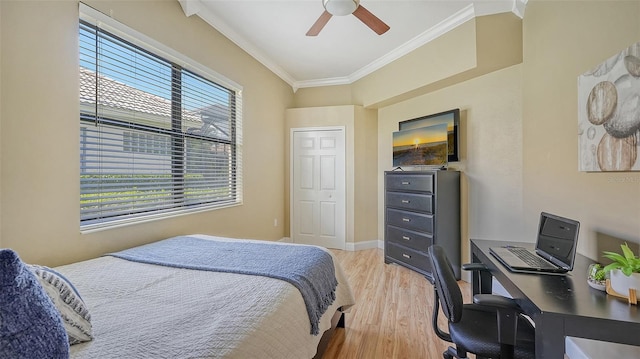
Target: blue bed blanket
308,268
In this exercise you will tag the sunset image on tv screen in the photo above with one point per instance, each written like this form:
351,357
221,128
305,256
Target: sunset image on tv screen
425,146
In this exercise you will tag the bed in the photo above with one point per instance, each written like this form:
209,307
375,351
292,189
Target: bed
143,310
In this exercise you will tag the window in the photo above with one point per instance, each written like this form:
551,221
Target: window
158,137
145,143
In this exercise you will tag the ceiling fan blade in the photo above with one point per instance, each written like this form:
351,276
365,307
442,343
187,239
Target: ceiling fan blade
369,19
319,24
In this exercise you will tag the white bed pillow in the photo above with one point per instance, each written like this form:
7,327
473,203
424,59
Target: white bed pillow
75,314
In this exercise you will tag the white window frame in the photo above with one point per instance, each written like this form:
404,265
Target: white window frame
110,25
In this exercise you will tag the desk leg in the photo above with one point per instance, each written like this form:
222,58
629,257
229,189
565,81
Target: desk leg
481,280
549,336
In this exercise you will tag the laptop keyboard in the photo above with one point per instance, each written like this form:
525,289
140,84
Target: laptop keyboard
530,258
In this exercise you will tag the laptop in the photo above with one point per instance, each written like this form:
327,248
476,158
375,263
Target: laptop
555,249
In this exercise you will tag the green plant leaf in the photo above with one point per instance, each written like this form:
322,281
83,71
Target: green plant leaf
616,257
628,253
627,262
612,266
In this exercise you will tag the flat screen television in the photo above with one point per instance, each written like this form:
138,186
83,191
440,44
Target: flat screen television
423,146
451,118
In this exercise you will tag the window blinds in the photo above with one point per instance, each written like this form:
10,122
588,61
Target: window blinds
156,138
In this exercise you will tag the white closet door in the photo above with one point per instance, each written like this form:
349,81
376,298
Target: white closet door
318,214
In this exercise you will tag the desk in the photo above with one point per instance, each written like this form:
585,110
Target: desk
559,305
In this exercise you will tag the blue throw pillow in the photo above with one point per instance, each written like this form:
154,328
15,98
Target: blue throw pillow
30,325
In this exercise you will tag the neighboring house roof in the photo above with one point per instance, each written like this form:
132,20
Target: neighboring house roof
118,98
117,95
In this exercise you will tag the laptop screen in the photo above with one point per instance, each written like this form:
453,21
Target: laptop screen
557,239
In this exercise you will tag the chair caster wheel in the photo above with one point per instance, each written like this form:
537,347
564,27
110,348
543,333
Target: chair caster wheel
450,354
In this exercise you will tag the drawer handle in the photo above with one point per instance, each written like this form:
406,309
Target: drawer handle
406,182
406,220
406,238
406,256
406,201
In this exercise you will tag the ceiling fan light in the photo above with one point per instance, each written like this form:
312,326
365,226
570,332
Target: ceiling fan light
340,7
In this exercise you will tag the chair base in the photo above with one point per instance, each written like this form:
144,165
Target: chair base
452,353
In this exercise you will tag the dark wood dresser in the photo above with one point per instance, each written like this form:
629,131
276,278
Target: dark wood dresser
422,208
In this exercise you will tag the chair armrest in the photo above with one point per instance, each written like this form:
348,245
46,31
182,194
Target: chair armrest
481,276
496,301
475,266
507,311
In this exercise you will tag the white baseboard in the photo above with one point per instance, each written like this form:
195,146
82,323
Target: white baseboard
351,246
359,246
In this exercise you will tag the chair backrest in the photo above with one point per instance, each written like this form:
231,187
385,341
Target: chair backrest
446,284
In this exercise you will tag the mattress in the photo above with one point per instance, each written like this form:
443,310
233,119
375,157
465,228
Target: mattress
143,310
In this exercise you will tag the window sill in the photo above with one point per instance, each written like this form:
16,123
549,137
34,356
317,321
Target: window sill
92,228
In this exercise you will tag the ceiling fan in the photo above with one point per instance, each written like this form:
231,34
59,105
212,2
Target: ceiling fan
347,7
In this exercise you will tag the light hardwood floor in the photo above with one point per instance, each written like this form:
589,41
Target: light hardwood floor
392,315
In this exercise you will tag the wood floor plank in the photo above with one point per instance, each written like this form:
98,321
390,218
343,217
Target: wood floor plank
392,315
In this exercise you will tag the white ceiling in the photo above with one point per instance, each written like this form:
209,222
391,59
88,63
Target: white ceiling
273,32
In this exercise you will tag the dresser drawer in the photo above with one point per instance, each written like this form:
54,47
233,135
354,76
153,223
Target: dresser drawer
407,238
411,257
410,201
410,220
402,182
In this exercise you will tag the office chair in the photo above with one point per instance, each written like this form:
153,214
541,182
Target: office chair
491,327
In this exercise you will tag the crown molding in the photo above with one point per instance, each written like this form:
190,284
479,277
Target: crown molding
440,29
190,7
519,7
332,81
195,7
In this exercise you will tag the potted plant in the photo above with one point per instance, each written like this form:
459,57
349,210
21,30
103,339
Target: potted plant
596,276
624,271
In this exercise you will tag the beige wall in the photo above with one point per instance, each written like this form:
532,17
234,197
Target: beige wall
491,162
475,48
425,65
561,41
361,144
491,125
40,130
519,126
511,111
338,95
365,171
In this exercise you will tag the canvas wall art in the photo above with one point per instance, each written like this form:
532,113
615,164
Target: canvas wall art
609,114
